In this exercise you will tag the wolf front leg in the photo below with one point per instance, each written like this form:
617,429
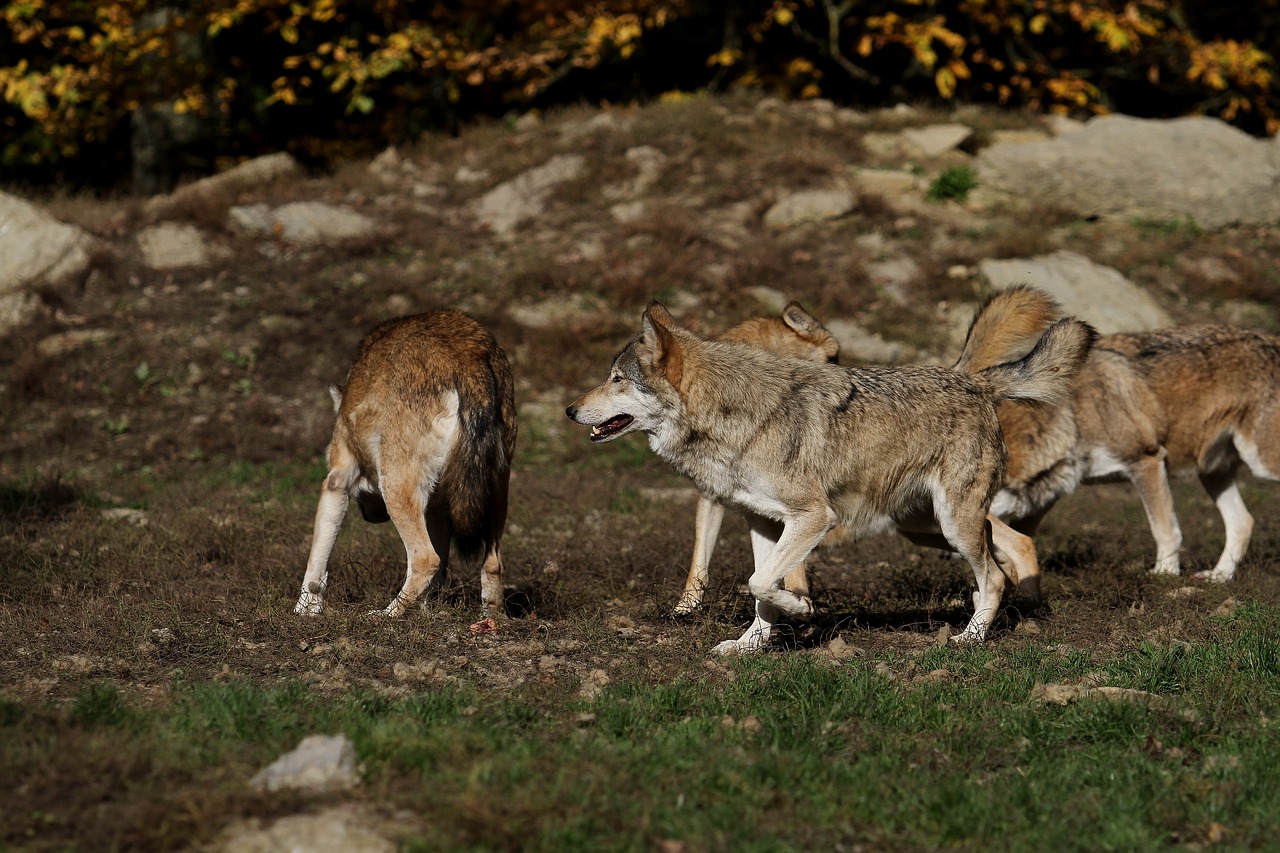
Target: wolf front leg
778,548
706,529
332,509
1150,477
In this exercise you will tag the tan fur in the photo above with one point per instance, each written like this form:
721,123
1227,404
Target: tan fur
800,447
795,334
425,433
1200,398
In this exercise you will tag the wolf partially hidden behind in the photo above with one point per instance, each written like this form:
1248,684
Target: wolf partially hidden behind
1200,398
425,434
800,447
796,334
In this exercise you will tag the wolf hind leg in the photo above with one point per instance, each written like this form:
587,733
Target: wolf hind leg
330,511
1225,491
970,533
1016,554
491,589
405,505
706,529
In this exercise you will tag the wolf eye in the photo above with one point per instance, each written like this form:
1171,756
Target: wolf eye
618,378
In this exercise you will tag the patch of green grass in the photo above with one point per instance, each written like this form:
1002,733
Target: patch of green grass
953,184
791,751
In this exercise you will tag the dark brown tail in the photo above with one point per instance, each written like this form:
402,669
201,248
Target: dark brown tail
481,464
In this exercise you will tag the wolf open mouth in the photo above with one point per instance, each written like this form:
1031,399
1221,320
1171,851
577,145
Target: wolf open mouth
611,427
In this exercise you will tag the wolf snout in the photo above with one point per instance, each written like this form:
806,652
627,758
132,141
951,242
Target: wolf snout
572,412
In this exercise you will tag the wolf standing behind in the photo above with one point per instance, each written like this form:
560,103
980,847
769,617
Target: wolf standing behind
1203,398
796,334
801,447
425,435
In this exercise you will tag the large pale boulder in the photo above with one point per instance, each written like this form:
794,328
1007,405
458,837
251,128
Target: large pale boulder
35,250
223,187
1095,293
1194,168
307,223
523,197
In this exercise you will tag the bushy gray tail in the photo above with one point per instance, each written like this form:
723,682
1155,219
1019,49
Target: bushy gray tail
1006,327
1045,374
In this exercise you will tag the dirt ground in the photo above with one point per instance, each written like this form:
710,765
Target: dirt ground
163,434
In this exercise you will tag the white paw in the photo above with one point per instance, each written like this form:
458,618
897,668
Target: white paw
1167,566
687,604
968,637
309,604
732,647
1216,575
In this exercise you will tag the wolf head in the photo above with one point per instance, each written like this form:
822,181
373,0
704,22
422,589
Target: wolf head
796,334
642,388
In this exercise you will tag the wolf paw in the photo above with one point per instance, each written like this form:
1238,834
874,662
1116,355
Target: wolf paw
1215,575
309,604
687,605
968,637
1167,566
733,647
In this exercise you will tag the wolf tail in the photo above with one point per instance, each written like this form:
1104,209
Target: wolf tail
1045,374
1006,327
482,459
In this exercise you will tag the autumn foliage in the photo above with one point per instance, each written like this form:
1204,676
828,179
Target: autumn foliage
329,78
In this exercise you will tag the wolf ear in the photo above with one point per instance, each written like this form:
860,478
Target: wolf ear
666,350
658,313
800,320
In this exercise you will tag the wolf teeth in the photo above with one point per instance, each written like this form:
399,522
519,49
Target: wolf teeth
595,430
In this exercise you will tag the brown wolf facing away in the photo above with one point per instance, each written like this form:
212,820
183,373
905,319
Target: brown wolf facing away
1197,398
425,435
801,447
797,334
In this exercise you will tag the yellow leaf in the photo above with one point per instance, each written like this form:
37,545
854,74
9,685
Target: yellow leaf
723,58
945,80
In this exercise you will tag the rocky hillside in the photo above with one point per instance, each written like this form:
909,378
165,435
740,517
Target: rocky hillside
209,322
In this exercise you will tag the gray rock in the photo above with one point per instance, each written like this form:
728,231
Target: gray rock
1095,293
858,344
523,197
335,830
70,341
170,246
251,174
35,250
890,183
1194,167
307,223
809,206
320,763
935,140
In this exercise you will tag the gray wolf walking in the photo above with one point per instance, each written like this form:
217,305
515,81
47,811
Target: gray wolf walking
425,435
800,447
796,334
1199,398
